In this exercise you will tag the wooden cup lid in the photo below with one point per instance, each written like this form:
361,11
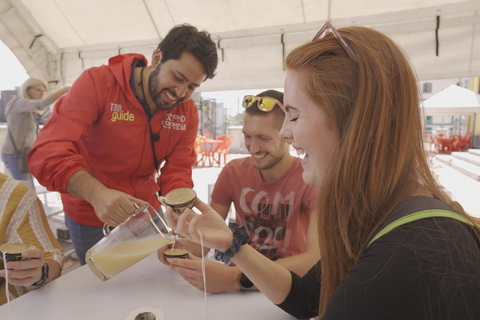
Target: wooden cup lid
13,251
181,196
175,253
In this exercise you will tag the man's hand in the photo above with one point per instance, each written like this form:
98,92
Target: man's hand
114,207
111,206
27,271
219,277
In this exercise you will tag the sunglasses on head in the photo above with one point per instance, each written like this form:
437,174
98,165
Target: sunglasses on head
265,104
326,29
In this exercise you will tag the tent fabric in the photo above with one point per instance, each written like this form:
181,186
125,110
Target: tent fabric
453,100
56,40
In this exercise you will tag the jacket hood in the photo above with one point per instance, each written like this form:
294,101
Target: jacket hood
121,68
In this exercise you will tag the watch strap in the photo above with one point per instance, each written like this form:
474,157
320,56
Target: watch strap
45,272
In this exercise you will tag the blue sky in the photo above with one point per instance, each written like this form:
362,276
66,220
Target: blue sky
12,73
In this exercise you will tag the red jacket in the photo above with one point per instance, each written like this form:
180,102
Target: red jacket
101,127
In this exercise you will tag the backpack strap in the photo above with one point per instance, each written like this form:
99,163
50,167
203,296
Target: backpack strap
420,215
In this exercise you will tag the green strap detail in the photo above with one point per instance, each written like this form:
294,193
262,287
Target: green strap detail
421,215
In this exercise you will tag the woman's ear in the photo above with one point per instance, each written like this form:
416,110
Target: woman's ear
156,58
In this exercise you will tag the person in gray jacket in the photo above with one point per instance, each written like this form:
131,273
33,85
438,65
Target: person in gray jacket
22,123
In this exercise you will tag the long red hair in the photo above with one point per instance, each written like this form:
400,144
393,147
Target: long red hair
380,159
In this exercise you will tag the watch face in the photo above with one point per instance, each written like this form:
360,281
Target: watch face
45,271
245,283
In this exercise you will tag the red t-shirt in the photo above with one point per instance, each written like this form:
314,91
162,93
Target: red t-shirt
275,214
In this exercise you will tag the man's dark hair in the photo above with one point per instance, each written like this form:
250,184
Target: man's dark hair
277,111
186,38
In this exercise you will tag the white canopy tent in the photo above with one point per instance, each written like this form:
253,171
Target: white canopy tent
453,100
56,40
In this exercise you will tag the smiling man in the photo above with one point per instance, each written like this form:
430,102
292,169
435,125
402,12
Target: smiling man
119,124
270,198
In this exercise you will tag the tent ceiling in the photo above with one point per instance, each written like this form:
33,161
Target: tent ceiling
57,39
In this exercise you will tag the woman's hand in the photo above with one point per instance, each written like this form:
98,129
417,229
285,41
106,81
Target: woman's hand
26,271
209,224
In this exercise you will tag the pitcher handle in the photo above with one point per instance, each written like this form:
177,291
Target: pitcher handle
163,201
106,230
106,227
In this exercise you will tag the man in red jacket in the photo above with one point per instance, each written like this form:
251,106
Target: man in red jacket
117,126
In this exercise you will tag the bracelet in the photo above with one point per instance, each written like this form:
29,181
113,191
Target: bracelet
240,237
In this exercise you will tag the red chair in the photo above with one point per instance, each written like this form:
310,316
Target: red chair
430,143
455,140
201,150
465,142
444,145
223,149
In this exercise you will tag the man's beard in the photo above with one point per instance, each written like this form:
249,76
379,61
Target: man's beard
275,158
270,164
156,94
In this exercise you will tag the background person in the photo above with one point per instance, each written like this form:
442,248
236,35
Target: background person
21,113
22,220
117,126
270,199
353,111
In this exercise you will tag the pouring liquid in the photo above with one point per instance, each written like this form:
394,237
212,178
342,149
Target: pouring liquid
119,256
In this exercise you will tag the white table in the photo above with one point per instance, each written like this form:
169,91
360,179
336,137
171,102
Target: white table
80,295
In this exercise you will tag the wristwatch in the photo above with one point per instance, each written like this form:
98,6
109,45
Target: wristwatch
40,282
244,282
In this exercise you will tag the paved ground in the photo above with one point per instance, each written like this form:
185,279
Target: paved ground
463,189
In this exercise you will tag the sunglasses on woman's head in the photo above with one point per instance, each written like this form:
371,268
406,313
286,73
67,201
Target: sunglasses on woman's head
265,104
326,29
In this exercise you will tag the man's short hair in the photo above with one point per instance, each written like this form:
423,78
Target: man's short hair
277,111
186,38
